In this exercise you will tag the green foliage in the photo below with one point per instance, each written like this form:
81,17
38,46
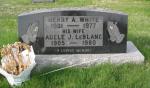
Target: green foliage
101,76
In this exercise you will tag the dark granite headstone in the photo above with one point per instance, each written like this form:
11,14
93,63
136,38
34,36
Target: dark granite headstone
74,31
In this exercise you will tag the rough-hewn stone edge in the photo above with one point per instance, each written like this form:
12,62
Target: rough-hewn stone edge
133,55
74,8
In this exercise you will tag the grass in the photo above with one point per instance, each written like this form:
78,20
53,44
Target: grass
101,76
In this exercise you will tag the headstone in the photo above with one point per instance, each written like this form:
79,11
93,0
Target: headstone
37,1
82,36
74,31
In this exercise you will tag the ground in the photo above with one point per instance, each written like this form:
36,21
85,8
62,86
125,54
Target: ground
100,76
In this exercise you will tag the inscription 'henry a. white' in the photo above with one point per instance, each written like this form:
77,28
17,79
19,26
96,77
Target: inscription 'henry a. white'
73,19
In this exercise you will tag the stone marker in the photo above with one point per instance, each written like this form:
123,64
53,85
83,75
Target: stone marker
82,36
74,31
38,1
